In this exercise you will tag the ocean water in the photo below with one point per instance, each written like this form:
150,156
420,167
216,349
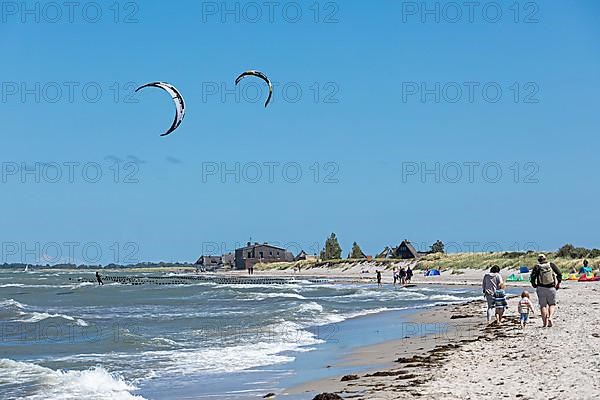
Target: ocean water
65,339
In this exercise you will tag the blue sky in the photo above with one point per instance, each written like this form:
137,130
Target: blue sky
344,105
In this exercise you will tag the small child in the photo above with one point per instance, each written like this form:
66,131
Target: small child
525,307
500,302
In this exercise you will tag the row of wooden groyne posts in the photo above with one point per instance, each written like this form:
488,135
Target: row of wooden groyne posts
186,280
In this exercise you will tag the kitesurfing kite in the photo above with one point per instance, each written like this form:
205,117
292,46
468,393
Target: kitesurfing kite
260,75
177,99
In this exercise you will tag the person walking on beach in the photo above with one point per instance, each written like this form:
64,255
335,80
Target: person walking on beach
491,282
546,279
99,278
395,275
525,307
409,275
500,303
378,278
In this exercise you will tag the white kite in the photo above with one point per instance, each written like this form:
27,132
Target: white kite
260,75
177,99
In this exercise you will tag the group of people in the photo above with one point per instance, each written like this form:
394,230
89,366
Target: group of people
545,278
402,276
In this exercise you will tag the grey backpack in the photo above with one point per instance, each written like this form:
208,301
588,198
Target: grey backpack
547,276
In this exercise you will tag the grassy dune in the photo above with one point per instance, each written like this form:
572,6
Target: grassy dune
443,262
504,260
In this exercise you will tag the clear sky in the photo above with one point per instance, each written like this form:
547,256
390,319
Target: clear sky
368,96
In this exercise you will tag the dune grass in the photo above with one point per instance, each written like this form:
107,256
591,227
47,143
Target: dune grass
503,260
443,262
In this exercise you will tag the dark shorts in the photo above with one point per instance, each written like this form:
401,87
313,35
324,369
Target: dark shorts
546,296
490,301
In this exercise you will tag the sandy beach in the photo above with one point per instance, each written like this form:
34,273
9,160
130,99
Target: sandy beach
470,359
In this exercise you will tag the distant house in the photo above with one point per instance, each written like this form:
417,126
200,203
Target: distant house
226,260
210,261
252,254
406,251
361,256
304,256
388,252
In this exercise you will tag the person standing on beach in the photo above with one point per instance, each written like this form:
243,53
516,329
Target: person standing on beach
378,278
409,274
546,279
395,275
491,282
99,279
402,274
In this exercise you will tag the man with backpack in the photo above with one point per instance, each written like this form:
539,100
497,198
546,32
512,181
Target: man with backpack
546,278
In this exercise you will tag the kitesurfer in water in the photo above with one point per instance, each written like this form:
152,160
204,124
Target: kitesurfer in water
99,279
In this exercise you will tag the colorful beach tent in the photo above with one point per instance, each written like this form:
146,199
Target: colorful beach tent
433,272
515,278
524,269
572,277
589,278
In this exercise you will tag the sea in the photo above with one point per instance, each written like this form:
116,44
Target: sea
63,336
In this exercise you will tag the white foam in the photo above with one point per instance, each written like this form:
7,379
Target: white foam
311,307
160,341
284,337
82,284
264,296
21,285
35,382
220,360
11,303
37,317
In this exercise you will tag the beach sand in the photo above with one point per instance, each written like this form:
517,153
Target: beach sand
471,360
365,272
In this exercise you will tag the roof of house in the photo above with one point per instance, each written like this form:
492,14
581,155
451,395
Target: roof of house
386,253
252,246
410,247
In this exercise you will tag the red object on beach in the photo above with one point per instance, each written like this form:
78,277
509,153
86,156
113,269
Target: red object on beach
584,278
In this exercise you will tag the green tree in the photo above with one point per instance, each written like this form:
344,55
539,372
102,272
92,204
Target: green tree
332,249
437,247
570,251
565,251
356,251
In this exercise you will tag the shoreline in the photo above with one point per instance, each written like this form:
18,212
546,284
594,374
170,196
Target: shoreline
463,362
424,334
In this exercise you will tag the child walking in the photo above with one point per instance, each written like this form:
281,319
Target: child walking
525,306
500,302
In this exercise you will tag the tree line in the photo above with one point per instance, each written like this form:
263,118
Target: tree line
333,251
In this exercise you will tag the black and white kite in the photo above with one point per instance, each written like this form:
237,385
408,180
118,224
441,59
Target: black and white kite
260,75
177,99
